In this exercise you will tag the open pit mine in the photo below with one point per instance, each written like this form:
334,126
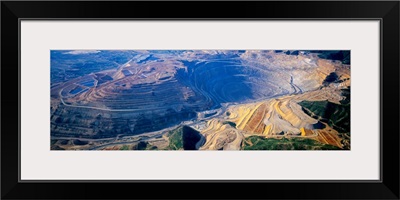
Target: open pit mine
200,100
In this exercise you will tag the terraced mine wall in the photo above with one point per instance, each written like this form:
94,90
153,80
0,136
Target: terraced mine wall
95,124
226,81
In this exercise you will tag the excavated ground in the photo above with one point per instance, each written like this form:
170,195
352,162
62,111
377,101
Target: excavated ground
260,90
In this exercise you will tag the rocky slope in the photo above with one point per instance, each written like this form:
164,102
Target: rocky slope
155,90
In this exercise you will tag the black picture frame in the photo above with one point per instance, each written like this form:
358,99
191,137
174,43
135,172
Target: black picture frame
386,11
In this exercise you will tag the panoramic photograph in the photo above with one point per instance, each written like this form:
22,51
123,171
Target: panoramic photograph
163,100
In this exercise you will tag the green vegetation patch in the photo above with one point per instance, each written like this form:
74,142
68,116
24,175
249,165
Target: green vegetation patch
335,115
184,138
233,124
175,139
125,147
262,143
